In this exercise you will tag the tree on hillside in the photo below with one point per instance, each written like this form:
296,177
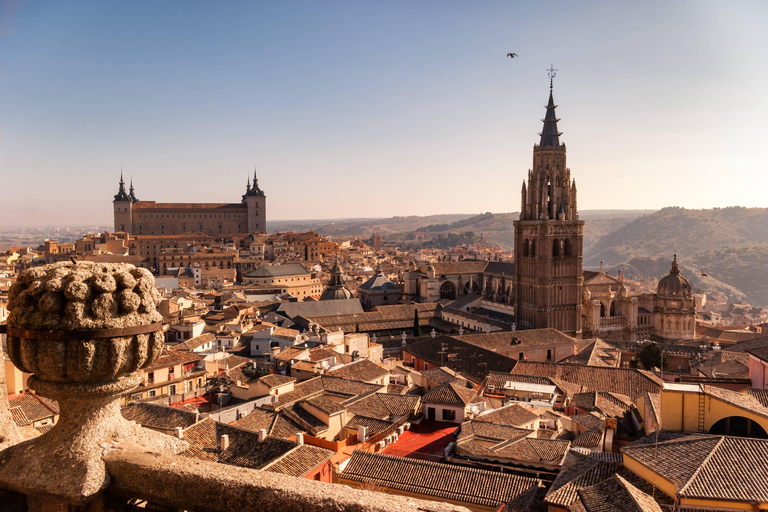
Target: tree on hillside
650,356
416,324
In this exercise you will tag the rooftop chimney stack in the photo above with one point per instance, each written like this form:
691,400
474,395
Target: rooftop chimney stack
179,432
224,442
300,438
262,435
361,433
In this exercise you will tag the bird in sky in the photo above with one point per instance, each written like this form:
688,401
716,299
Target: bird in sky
513,55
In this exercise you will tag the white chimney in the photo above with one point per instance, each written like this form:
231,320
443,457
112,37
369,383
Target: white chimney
300,438
224,442
361,433
262,434
179,432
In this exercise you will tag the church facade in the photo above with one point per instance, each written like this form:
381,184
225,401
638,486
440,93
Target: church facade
137,217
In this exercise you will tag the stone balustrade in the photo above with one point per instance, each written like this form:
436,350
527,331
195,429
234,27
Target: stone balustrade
85,331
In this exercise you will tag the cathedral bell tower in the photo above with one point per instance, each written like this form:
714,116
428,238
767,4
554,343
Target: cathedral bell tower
549,238
256,201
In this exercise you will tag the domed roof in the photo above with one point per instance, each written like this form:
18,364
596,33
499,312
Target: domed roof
378,282
336,289
336,293
674,284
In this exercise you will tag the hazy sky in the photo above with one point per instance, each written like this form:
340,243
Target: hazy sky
379,108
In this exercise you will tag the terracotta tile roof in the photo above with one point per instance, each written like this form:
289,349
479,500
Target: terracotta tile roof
256,420
300,390
33,406
741,400
502,341
245,449
701,466
759,394
624,381
442,481
474,429
44,428
597,353
612,405
363,370
589,439
19,417
581,470
285,427
616,494
347,387
374,425
514,415
196,342
324,404
438,375
396,389
379,318
383,405
454,393
160,417
470,361
300,461
274,380
589,420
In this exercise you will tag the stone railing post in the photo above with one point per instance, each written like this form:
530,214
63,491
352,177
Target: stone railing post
84,330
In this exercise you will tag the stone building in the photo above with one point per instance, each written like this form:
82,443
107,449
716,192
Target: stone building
548,239
151,218
611,313
335,289
378,291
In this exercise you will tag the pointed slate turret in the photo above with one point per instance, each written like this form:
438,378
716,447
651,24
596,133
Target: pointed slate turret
132,195
122,195
549,135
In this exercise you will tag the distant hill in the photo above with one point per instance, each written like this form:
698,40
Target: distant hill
730,245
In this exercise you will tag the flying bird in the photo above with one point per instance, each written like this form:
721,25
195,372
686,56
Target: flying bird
513,55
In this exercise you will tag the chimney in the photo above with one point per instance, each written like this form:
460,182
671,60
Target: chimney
361,431
262,434
300,438
197,416
179,432
224,442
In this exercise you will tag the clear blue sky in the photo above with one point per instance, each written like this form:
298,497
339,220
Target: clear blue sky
370,108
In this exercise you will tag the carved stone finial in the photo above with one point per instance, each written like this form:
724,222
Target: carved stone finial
84,330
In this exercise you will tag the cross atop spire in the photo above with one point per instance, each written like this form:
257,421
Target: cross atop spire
549,135
551,73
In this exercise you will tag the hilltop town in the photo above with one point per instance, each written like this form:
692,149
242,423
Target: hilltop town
462,372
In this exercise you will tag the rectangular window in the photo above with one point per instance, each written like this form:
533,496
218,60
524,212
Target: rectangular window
151,393
449,415
549,355
151,377
521,356
172,389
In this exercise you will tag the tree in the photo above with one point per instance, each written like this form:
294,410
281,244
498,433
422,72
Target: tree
649,356
416,324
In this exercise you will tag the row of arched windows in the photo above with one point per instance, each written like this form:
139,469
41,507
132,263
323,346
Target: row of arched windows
560,247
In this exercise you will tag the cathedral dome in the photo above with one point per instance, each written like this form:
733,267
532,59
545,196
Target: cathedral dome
336,289
674,284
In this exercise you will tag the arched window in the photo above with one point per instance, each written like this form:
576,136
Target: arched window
602,310
526,248
555,248
567,248
448,291
533,247
613,308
